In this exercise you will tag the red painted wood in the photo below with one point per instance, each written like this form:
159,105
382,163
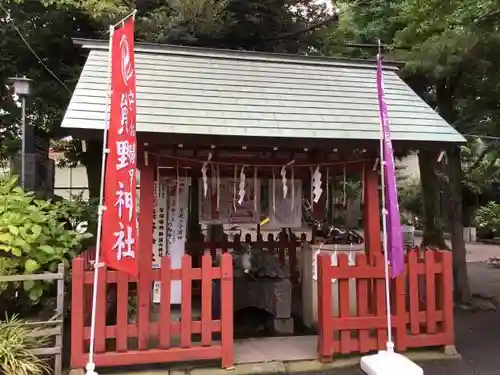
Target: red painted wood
101,312
436,263
186,302
447,293
380,302
138,357
206,300
121,311
144,284
164,328
362,304
325,327
413,292
399,316
430,291
344,304
165,303
154,329
372,211
227,340
77,313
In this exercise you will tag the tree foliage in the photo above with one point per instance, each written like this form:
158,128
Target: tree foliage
450,60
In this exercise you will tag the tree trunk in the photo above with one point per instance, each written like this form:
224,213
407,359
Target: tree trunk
446,107
461,280
352,212
433,229
92,159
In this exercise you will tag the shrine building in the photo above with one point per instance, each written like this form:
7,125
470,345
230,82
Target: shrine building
250,143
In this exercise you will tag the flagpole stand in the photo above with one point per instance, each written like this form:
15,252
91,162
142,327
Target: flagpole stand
90,369
386,362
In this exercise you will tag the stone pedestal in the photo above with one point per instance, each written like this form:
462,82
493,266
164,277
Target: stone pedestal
273,296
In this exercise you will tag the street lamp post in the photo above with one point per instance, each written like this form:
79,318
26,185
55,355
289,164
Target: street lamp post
22,88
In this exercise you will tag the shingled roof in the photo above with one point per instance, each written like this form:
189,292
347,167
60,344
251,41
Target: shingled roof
186,90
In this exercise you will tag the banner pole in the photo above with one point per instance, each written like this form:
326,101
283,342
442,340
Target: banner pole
389,344
90,367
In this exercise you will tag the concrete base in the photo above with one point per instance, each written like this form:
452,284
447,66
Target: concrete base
282,327
451,351
262,358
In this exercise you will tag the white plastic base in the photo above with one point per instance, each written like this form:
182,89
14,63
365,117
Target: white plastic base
389,363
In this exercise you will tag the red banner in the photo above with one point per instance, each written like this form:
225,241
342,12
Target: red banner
119,228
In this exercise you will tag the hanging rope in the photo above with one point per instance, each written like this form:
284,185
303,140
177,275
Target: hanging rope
200,161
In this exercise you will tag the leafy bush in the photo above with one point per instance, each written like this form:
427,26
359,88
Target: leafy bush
410,197
488,217
34,234
17,343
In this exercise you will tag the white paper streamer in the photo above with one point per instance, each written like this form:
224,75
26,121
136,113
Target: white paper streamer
292,201
204,175
255,196
316,184
241,192
234,187
283,181
218,186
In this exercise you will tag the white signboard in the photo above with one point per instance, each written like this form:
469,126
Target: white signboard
174,231
282,214
159,231
225,209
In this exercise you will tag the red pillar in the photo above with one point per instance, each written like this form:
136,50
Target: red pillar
372,212
145,250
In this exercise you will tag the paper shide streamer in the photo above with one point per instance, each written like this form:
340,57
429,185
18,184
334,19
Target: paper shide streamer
283,181
204,175
241,191
316,185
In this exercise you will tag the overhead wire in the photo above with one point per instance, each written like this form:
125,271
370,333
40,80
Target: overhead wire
10,21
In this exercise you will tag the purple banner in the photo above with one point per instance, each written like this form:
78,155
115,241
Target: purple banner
394,236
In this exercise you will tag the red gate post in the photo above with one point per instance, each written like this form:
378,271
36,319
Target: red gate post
77,314
447,291
372,228
144,282
226,289
325,329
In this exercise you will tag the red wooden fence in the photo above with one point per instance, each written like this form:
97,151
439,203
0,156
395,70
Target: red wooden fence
421,304
285,249
156,337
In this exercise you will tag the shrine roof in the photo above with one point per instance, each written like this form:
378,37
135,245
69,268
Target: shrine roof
186,90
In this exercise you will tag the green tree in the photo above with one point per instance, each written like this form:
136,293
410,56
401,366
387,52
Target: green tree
450,61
